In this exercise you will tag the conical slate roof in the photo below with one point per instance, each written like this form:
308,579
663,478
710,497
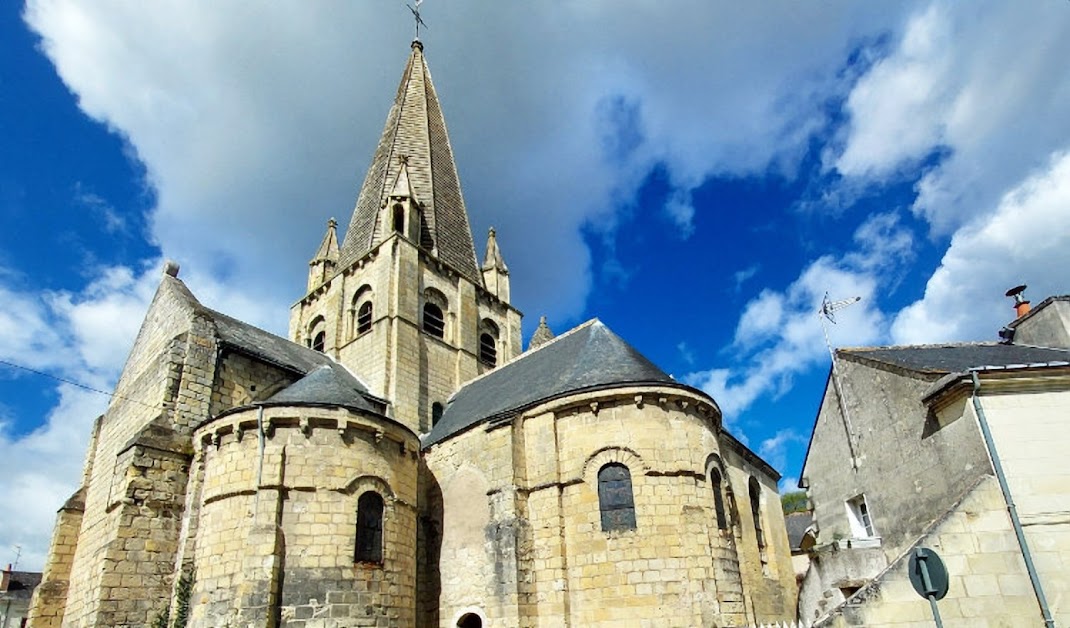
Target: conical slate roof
415,139
588,357
329,384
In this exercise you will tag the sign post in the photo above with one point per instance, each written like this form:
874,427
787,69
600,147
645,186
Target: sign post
929,577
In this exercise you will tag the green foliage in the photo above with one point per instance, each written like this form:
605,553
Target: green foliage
183,592
794,502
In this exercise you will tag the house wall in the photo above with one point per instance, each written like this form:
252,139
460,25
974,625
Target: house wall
1046,326
1029,427
910,467
524,522
988,584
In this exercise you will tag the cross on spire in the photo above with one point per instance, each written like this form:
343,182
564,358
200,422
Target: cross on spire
416,14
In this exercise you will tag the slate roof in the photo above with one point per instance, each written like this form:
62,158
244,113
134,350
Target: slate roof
415,132
955,358
796,524
266,345
329,384
21,585
588,357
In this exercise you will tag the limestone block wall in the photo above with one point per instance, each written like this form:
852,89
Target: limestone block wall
1029,427
989,586
166,382
276,534
50,597
520,512
240,380
911,468
768,576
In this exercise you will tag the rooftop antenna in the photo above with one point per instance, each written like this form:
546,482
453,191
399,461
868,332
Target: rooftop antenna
416,14
828,312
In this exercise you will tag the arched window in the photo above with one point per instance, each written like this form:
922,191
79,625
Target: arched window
615,498
488,350
470,620
756,512
436,413
718,498
488,343
318,341
369,541
364,318
399,218
434,321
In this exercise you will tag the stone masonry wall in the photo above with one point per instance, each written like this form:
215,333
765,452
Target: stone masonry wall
525,522
988,586
281,552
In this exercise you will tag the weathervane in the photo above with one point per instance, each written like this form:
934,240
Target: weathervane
416,14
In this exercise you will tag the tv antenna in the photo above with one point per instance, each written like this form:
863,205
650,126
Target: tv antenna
416,14
828,312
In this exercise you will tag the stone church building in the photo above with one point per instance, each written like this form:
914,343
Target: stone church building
400,461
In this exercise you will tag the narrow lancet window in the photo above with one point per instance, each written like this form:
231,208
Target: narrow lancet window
718,499
364,318
434,321
756,512
369,541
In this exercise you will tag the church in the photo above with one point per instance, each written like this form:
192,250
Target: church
400,459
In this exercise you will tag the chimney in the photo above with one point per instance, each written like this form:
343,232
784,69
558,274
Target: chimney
6,580
1021,306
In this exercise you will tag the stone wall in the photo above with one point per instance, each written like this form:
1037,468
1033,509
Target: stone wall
525,523
988,586
910,467
275,538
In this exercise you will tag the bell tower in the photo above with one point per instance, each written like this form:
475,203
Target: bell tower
403,303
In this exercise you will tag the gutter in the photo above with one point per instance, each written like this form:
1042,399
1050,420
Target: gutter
990,445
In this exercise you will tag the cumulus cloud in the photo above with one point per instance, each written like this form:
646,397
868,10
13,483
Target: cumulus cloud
779,334
1023,241
557,115
993,106
774,449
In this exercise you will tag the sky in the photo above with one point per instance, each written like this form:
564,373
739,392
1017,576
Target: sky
695,174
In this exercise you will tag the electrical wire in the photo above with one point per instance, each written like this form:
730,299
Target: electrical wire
79,385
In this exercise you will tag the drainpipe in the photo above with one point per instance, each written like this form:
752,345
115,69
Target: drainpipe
260,457
1049,622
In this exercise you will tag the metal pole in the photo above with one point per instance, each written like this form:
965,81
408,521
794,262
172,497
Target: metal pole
839,397
927,584
1027,556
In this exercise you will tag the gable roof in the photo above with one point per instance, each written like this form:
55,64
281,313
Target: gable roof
954,358
588,357
414,141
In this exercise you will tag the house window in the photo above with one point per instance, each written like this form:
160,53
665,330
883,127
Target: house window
369,541
615,498
364,318
859,518
756,512
434,321
318,341
399,218
718,499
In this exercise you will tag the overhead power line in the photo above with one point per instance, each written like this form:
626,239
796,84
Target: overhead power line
78,384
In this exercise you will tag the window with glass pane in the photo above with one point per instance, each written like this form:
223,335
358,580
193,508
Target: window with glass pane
615,498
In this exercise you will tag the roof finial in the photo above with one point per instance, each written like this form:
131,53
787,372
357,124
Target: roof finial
419,21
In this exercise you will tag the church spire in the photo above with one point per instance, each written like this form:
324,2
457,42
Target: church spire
414,150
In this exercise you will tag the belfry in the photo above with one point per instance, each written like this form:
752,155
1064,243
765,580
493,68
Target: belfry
398,460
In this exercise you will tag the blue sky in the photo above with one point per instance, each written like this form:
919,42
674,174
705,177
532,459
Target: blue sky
697,178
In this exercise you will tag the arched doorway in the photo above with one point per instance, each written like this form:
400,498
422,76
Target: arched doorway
470,620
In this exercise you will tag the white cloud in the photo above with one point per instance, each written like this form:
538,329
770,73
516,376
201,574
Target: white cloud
257,135
774,449
779,334
996,105
1024,241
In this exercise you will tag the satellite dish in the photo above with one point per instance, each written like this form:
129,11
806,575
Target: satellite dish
1015,291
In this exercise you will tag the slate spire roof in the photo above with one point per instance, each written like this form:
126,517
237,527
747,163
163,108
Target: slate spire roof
415,141
587,358
329,246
